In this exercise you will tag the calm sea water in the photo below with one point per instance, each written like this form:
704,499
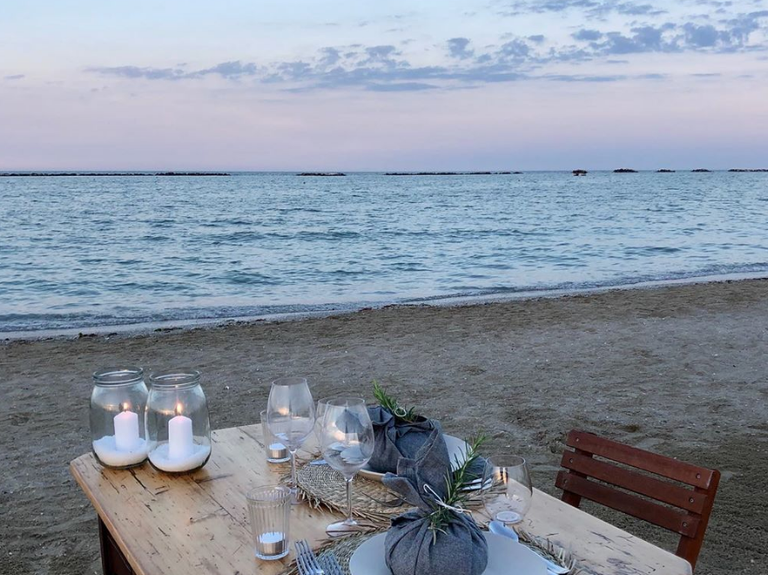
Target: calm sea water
93,251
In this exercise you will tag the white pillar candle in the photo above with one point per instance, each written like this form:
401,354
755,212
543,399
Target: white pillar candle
180,442
126,430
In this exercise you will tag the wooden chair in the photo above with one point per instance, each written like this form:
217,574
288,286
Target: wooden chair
684,504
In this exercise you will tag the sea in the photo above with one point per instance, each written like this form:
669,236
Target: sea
105,252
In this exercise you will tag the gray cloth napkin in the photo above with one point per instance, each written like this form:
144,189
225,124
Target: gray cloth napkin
396,438
411,547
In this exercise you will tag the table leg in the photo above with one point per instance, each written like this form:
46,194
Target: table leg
113,561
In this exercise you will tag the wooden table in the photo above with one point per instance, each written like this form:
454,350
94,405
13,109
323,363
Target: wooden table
157,524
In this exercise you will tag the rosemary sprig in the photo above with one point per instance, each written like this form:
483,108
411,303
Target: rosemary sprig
390,404
457,482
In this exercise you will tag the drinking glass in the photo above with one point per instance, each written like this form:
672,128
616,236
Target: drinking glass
347,445
276,452
269,508
291,417
511,477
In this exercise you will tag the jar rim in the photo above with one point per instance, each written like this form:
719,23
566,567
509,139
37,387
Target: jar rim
117,376
175,379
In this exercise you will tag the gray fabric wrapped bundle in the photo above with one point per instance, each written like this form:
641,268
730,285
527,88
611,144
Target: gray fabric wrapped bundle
396,438
411,547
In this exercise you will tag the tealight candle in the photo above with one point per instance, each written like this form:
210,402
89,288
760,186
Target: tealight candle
272,544
277,451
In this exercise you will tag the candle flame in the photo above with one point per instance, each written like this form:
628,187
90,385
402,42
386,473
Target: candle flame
178,409
126,406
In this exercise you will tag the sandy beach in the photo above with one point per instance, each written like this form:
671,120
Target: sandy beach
678,370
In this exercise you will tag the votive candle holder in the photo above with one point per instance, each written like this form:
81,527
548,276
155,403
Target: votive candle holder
269,509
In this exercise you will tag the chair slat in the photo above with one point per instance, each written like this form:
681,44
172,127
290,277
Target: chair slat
655,513
633,481
652,462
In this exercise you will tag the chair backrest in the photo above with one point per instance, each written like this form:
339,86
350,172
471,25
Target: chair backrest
680,502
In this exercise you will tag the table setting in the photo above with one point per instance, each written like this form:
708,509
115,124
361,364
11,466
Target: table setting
412,513
415,500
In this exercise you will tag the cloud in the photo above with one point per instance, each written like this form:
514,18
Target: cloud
15,77
401,87
741,26
587,35
136,72
381,54
235,69
457,48
597,9
701,36
390,68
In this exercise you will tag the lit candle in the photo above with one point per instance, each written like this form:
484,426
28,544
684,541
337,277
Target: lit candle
180,442
277,451
126,429
272,543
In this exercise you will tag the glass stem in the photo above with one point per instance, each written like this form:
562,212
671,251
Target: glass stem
294,483
349,500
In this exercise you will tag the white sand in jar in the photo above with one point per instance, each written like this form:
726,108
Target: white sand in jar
108,453
160,458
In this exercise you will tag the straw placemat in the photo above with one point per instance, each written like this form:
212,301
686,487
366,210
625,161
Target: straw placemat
320,486
343,549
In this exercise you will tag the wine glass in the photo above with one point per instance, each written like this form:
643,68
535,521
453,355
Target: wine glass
291,417
347,444
511,477
319,413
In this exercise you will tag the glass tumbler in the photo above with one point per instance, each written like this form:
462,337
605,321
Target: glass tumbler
512,478
117,416
276,451
269,508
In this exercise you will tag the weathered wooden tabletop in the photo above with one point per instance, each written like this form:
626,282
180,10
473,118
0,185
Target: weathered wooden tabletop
198,523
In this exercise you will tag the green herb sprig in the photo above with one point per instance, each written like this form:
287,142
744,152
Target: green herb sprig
390,404
457,482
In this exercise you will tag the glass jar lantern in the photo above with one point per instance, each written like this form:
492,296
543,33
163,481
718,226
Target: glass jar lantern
117,417
178,428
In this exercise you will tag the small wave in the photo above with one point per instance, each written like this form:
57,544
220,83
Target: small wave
238,277
651,250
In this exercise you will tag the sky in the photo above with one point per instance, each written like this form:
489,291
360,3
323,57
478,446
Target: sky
396,85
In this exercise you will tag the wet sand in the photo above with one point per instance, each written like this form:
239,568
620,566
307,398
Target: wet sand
680,370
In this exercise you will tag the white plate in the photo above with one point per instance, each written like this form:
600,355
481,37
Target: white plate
457,448
505,557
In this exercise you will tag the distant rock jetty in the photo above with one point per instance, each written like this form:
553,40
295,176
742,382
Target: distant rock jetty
450,173
105,174
580,172
701,170
665,171
625,171
321,174
748,170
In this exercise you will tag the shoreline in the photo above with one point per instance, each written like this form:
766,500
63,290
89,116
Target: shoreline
149,327
678,370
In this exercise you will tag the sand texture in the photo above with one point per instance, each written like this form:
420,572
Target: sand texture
679,370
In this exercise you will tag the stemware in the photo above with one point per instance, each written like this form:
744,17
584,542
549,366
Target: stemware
347,445
319,413
512,479
291,417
